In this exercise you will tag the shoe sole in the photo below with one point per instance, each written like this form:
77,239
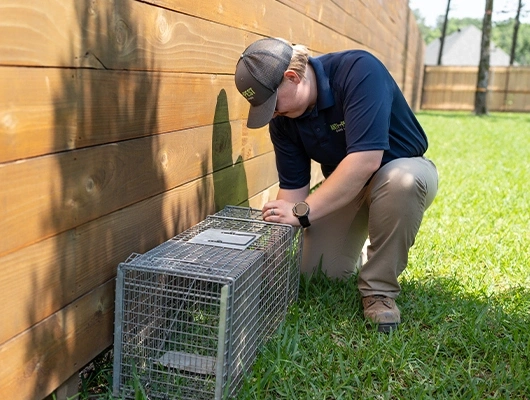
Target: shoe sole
384,327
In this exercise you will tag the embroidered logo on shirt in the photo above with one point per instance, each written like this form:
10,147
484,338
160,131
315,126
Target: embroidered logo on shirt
338,126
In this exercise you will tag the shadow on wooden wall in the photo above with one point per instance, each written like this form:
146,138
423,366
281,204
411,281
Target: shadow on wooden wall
230,183
107,117
108,192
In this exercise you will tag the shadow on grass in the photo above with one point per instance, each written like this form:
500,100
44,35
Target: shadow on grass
451,344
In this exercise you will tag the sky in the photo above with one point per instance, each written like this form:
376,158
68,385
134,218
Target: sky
431,9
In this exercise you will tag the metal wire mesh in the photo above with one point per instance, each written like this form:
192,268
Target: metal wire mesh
192,313
296,244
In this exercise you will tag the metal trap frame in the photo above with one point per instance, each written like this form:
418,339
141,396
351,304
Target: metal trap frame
192,313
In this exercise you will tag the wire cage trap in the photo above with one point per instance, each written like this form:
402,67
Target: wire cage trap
192,313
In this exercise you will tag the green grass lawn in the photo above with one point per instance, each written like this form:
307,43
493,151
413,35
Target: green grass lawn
466,292
465,331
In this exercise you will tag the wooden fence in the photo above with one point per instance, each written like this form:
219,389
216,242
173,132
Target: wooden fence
453,88
120,126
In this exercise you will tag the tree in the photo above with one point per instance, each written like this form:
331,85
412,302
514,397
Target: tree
502,36
515,31
444,30
481,107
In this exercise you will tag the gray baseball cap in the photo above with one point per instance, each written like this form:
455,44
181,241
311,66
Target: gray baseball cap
259,72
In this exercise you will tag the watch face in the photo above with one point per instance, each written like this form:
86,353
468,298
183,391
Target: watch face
301,209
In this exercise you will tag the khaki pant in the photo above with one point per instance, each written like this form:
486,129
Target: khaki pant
388,211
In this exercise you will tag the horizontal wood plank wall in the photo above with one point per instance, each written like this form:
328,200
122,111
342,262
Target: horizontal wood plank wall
453,88
120,126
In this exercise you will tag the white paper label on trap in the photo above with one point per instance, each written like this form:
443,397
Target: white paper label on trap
189,362
225,238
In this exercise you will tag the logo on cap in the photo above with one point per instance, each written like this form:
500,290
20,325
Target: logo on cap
248,94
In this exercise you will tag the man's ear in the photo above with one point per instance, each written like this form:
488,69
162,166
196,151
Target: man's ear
292,76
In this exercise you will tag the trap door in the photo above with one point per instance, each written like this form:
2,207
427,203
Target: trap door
207,365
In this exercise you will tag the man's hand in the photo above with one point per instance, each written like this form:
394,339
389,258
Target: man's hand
280,211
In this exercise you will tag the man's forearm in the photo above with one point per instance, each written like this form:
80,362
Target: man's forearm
336,191
293,195
344,183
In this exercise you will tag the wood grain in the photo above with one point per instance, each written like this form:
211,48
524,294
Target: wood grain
37,361
47,195
68,109
263,18
113,35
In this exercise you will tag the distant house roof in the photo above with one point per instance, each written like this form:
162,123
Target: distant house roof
463,48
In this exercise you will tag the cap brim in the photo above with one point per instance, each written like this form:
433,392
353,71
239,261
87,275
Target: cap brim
259,116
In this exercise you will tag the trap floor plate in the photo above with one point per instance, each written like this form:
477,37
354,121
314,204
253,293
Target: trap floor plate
189,362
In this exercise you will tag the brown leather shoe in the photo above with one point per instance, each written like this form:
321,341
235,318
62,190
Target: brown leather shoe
381,310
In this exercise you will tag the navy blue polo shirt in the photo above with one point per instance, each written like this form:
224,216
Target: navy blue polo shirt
359,108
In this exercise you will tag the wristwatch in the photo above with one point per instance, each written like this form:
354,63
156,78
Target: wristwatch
301,211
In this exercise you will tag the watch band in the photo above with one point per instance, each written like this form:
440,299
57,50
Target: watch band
304,221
